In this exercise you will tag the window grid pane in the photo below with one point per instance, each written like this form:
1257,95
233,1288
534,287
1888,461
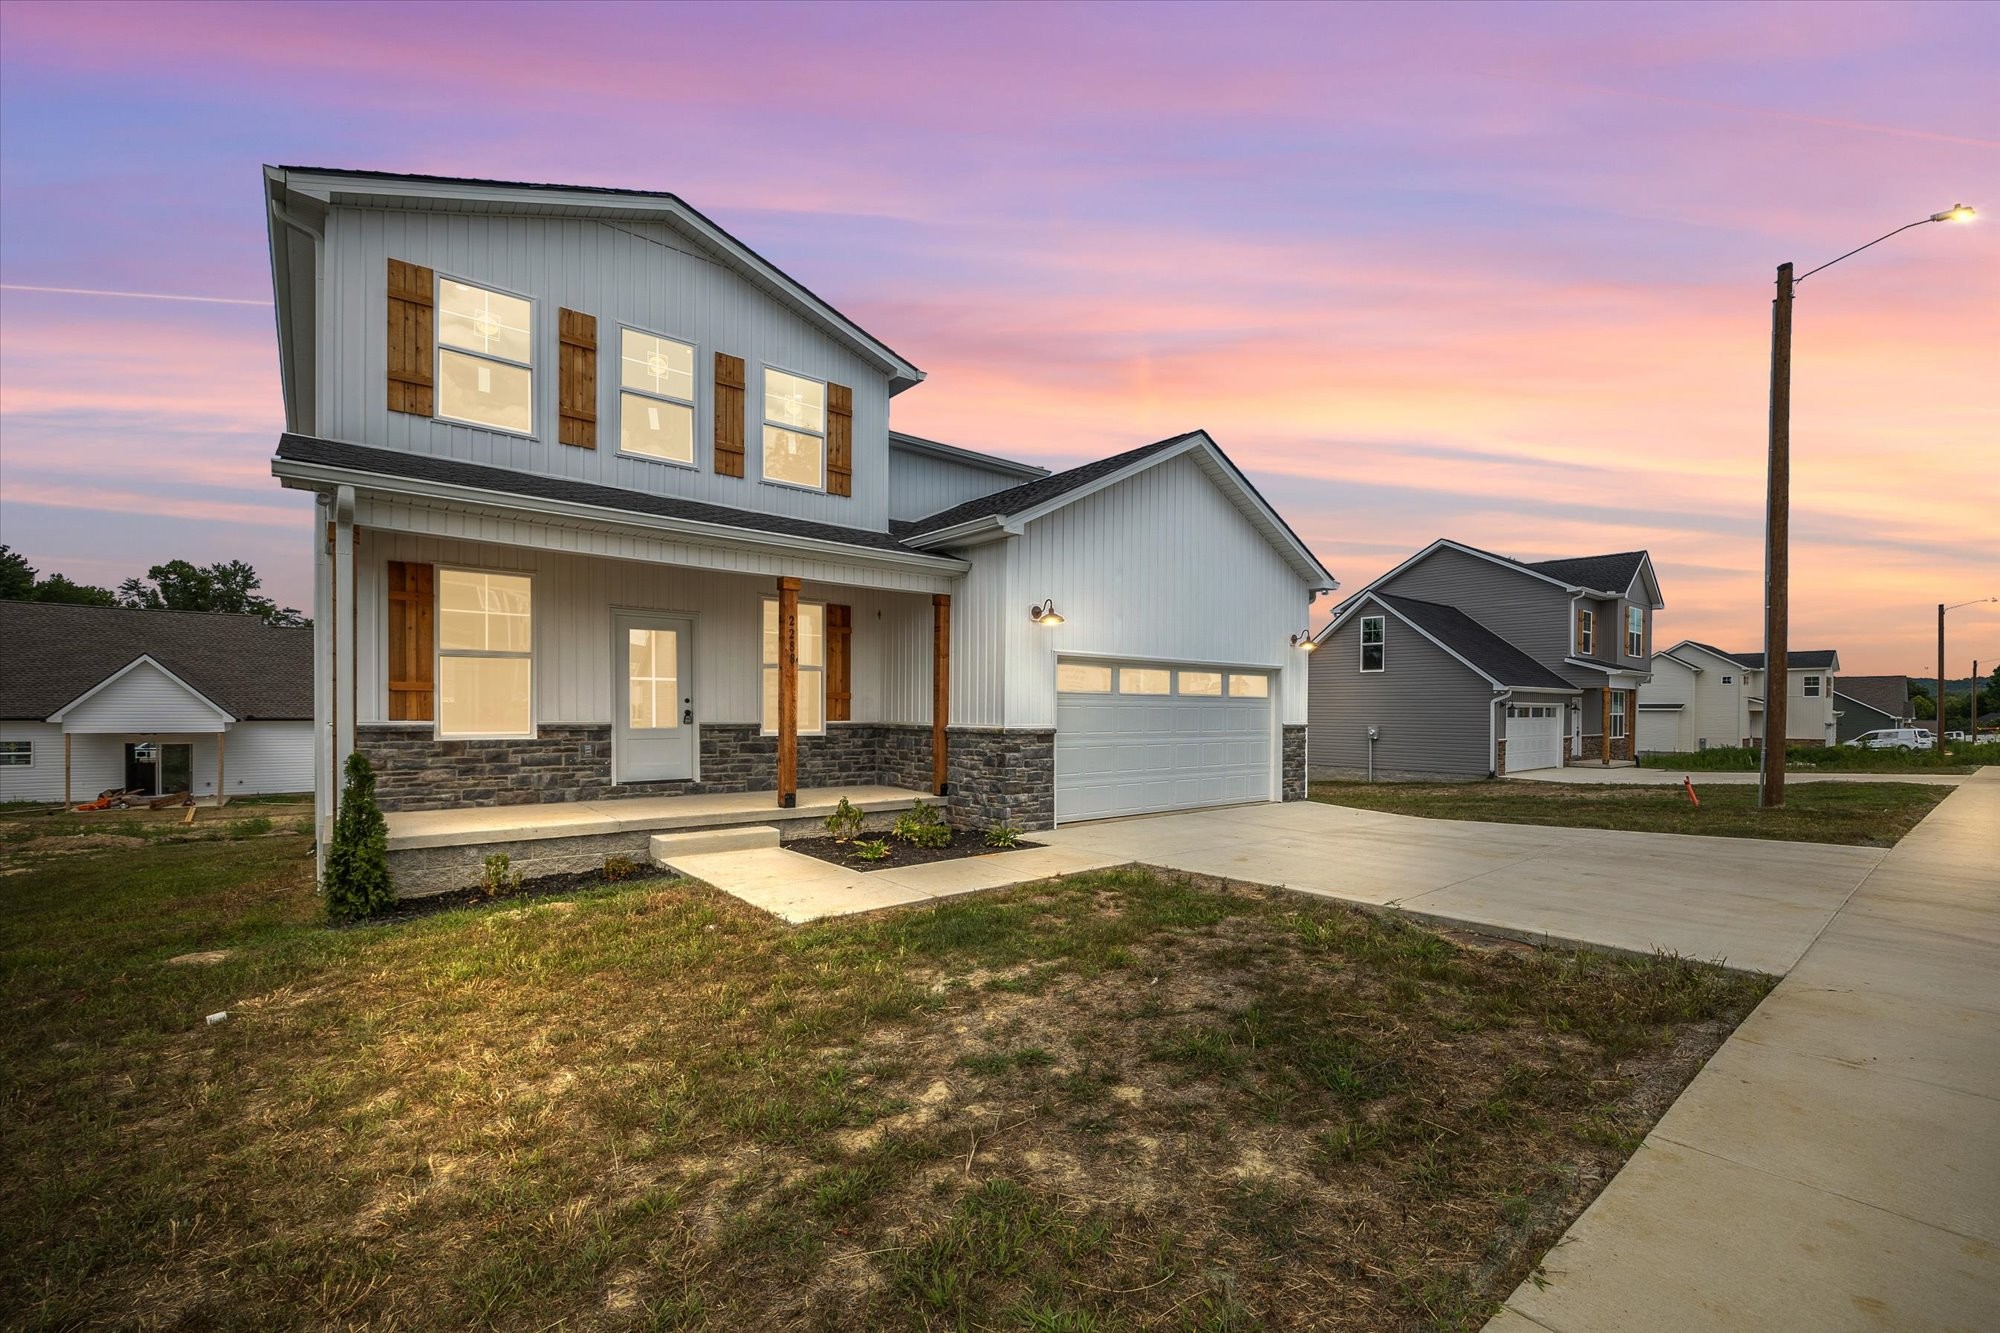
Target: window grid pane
485,393
792,400
662,367
490,323
793,458
655,428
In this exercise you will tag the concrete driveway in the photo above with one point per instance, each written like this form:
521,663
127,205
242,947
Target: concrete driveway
1741,901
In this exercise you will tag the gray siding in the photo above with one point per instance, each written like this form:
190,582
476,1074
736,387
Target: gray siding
1433,711
1532,615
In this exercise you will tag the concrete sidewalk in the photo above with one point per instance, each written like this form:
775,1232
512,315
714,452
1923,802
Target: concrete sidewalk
1660,777
1837,1164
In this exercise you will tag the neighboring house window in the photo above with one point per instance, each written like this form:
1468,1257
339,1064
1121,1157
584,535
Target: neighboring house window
1618,715
794,430
1635,632
812,667
1208,684
1374,649
1082,678
1586,633
485,355
1812,687
17,754
1729,680
1249,687
655,397
1144,680
485,646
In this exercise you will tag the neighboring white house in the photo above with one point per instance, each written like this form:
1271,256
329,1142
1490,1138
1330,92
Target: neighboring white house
613,508
1701,696
94,698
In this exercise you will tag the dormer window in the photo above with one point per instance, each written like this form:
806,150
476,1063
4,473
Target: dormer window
1635,631
655,397
794,430
485,357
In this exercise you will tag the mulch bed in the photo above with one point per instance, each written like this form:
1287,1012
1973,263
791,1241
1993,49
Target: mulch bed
964,843
542,886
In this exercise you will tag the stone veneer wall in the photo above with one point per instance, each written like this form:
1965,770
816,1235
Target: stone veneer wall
1294,788
1002,777
1500,758
415,770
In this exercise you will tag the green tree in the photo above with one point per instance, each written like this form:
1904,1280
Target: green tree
19,581
227,585
17,576
1922,706
357,859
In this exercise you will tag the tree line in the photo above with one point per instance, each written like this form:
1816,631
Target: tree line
178,585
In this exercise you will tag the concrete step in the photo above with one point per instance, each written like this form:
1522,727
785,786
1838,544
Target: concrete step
667,847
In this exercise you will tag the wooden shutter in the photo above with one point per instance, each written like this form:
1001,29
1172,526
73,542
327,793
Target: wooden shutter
728,414
412,642
839,440
839,659
576,394
411,317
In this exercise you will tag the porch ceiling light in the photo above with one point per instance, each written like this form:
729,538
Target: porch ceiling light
1044,613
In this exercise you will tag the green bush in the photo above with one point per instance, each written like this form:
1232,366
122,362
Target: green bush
357,859
844,822
872,849
922,826
1003,836
499,876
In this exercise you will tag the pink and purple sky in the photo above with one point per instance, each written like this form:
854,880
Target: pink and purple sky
1499,273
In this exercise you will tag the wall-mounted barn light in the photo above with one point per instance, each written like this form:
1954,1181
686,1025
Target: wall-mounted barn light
1304,643
1044,613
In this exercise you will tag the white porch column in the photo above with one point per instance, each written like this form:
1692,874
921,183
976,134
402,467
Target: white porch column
323,789
343,632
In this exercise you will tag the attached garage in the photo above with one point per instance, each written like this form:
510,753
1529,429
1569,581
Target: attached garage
1140,737
1534,736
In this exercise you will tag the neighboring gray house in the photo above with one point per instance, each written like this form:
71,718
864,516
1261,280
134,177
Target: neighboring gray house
1464,663
98,697
610,507
1869,703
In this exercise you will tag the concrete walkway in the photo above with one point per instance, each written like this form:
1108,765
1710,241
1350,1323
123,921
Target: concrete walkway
1645,777
1837,1164
1746,902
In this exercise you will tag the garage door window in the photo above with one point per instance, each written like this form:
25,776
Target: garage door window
1082,678
1207,684
1144,680
1249,687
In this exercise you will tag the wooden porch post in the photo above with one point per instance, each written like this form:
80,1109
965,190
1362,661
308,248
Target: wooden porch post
221,790
1605,701
67,798
940,690
788,693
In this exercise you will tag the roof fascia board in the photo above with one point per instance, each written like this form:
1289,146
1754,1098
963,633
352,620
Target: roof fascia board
143,659
311,475
952,453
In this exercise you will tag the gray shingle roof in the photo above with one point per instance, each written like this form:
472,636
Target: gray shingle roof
1487,651
1885,694
1015,499
1603,573
50,654
450,471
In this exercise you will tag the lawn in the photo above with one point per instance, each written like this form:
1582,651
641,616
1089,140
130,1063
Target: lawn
1959,758
1862,814
1112,1101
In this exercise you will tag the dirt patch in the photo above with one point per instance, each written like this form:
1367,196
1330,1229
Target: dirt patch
202,958
964,843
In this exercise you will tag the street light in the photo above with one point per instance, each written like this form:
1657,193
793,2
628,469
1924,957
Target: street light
1974,728
1778,515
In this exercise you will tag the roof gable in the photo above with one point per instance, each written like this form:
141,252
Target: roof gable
1485,653
142,694
1551,572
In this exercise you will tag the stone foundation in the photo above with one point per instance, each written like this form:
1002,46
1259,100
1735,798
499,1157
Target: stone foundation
1500,758
1002,777
1294,758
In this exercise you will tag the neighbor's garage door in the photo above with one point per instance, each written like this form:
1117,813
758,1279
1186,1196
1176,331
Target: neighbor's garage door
1132,739
1534,736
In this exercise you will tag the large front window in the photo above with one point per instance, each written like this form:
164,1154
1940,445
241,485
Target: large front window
794,430
485,353
812,666
485,667
655,397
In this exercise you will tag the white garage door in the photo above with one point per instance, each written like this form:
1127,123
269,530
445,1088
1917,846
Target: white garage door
1534,736
1134,738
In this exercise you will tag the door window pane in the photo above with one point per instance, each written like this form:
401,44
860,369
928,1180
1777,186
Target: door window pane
653,684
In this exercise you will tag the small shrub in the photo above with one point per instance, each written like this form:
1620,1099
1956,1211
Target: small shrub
844,822
922,826
617,869
499,876
1003,836
357,856
872,849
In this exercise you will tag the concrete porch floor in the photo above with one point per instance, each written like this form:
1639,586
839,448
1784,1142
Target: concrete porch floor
410,830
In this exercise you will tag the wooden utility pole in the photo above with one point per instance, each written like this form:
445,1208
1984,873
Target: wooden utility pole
1777,549
1937,719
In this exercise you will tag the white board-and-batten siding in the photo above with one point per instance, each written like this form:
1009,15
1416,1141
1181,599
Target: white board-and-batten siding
625,272
575,597
923,484
1161,566
260,758
143,698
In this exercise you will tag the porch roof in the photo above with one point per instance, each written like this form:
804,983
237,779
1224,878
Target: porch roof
311,458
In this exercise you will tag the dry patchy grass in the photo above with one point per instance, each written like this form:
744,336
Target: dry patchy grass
1114,1101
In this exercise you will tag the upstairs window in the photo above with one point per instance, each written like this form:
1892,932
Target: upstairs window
485,357
794,430
1729,680
1586,632
1812,687
812,667
485,633
1635,631
1374,643
655,397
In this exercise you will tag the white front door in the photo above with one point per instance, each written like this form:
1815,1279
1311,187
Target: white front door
653,730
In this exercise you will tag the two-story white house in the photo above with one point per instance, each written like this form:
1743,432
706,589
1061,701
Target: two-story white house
608,505
1700,696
